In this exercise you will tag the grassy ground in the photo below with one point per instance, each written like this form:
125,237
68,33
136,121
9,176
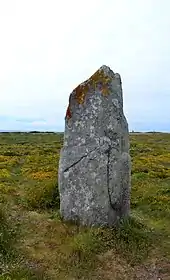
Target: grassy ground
36,244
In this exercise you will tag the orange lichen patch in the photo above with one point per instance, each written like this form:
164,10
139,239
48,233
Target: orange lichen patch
98,78
68,112
105,90
80,92
97,81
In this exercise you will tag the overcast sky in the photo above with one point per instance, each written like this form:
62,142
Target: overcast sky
48,47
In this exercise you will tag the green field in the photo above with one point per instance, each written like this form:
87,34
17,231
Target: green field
36,244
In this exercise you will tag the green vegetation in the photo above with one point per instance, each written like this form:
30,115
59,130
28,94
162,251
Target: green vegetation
36,244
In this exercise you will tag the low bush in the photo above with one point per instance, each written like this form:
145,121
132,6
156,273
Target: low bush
40,195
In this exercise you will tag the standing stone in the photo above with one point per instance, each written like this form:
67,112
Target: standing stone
94,167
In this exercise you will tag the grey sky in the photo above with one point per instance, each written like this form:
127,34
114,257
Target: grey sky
48,47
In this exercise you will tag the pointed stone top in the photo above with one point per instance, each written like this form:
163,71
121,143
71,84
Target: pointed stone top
106,69
99,81
108,72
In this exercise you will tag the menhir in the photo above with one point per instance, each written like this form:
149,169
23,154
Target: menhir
95,166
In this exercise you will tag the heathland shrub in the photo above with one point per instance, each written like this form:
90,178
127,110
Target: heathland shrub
41,195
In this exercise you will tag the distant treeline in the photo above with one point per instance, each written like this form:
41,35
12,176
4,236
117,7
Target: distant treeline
40,132
55,132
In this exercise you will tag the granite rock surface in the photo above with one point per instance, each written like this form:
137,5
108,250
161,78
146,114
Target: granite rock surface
95,166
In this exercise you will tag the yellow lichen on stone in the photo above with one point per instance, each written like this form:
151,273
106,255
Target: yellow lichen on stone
93,82
105,90
100,77
80,93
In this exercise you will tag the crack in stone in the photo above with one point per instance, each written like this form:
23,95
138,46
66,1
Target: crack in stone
74,163
115,206
108,172
97,148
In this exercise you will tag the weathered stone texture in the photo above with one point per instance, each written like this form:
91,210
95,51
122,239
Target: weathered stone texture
94,167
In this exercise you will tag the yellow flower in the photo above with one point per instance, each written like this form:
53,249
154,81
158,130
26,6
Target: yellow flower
41,175
4,173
